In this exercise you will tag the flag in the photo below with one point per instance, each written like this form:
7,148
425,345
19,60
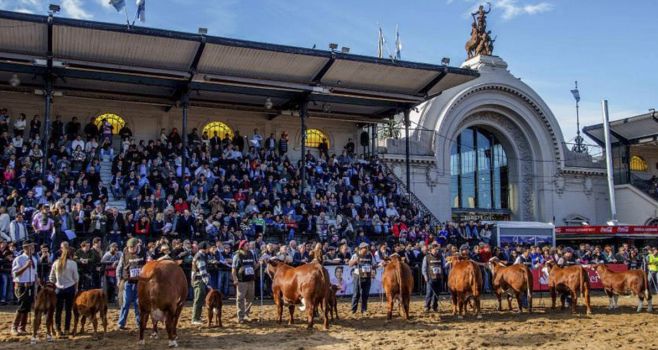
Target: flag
141,10
380,44
576,94
398,44
118,4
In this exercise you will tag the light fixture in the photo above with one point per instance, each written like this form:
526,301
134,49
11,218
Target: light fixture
203,31
14,81
333,46
53,8
345,49
268,103
445,61
612,223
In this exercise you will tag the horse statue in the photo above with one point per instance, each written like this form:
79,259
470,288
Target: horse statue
473,43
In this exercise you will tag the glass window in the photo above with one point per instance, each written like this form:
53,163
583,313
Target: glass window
217,127
314,137
478,171
116,122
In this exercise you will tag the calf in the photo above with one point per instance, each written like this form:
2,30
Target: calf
465,284
624,283
161,294
572,280
398,282
214,305
516,278
88,304
332,303
306,284
44,304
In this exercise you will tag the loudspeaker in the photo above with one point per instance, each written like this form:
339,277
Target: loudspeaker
365,139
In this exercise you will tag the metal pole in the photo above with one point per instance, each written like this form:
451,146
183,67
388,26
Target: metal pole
48,94
374,139
302,171
608,160
185,103
406,149
260,311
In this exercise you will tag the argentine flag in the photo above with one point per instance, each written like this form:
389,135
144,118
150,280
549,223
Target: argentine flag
141,10
118,4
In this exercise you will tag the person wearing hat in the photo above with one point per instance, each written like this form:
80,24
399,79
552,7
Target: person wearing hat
87,260
363,263
432,269
24,273
243,272
130,266
200,281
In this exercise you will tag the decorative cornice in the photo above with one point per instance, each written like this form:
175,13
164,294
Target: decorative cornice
398,158
582,171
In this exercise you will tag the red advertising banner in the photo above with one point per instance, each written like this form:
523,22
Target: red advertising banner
540,280
622,230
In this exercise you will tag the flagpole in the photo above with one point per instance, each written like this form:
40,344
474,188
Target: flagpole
125,9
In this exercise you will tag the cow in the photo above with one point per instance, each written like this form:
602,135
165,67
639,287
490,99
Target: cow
86,305
465,284
214,305
44,304
624,283
398,282
161,294
332,302
515,279
572,279
305,284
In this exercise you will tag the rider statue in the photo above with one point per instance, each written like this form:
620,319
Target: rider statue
480,42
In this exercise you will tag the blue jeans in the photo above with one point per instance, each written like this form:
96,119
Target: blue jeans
129,297
223,282
653,281
214,280
432,294
360,290
5,286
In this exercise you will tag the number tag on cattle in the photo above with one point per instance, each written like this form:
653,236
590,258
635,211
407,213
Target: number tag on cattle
248,271
436,270
365,268
134,272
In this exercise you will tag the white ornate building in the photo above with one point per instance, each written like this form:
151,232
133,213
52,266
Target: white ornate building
492,149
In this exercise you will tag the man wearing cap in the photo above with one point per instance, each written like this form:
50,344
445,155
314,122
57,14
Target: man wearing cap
87,260
432,269
200,280
244,272
110,260
24,272
130,265
363,263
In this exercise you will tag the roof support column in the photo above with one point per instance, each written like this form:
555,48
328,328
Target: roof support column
185,102
48,97
406,149
303,111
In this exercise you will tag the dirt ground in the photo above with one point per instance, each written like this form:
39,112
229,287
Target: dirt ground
544,329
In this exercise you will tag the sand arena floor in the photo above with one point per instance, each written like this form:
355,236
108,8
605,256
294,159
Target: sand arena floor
544,329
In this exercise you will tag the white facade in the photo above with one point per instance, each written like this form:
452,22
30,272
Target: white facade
547,182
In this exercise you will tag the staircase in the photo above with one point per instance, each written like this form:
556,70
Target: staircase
106,177
434,221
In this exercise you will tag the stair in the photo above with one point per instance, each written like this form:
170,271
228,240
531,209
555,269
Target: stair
106,177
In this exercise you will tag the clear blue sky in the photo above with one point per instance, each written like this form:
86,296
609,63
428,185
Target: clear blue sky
610,47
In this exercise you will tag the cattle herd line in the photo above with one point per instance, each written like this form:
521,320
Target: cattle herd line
162,292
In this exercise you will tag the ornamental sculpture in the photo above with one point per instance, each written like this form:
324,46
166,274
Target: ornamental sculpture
480,42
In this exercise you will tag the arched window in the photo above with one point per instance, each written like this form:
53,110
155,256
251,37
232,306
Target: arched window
314,137
217,127
638,164
116,122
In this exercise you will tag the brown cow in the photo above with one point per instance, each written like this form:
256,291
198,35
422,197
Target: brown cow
161,294
214,305
572,279
516,279
88,304
44,304
624,283
398,282
465,284
332,302
305,284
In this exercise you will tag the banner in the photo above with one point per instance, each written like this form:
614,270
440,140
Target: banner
597,230
540,279
343,277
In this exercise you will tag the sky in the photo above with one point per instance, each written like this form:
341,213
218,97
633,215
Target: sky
610,47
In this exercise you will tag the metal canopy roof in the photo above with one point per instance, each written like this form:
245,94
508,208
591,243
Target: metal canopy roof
158,66
639,129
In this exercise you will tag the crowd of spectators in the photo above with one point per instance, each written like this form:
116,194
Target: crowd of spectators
230,189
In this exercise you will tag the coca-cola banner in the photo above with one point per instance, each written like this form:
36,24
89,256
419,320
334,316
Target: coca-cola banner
597,230
540,279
